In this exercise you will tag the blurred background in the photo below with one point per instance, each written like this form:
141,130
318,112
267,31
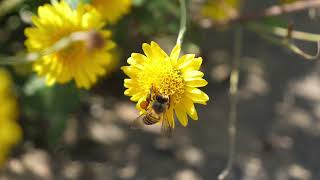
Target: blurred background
63,132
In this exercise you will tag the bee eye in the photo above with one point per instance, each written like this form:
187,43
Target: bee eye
158,98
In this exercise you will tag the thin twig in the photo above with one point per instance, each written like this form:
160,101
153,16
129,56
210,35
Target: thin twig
234,79
294,48
183,21
283,32
286,42
276,10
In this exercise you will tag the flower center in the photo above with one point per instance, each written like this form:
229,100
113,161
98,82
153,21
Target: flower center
164,78
74,51
171,84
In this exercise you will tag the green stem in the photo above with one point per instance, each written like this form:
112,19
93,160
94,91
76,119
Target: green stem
183,21
234,79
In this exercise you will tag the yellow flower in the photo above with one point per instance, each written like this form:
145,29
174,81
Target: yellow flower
79,61
10,135
10,132
112,10
8,103
178,78
221,10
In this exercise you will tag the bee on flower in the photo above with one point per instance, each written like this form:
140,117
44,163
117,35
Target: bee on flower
164,85
85,59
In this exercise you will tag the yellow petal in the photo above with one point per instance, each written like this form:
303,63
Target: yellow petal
193,74
91,19
196,82
174,55
106,33
50,80
130,83
129,92
134,63
191,110
138,58
109,45
197,96
194,64
137,97
181,115
130,71
147,50
81,80
157,51
185,61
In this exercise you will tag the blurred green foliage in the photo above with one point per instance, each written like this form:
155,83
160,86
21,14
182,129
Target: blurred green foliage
52,104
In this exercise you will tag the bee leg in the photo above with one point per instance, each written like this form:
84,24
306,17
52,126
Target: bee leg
150,93
169,103
166,128
144,104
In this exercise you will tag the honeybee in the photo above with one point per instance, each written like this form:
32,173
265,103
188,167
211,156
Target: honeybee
156,106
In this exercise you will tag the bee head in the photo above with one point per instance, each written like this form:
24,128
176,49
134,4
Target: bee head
162,99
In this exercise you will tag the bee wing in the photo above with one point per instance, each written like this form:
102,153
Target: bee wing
138,122
166,128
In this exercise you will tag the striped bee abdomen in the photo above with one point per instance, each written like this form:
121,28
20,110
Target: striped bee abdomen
149,119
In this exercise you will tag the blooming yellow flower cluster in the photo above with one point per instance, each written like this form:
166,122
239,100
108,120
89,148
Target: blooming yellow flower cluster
84,60
177,78
10,132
